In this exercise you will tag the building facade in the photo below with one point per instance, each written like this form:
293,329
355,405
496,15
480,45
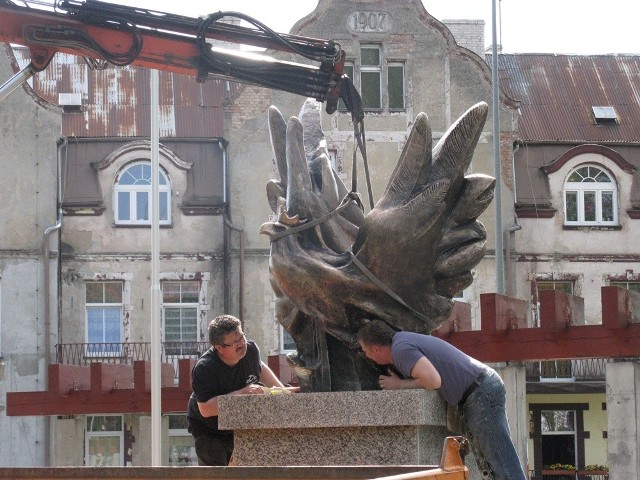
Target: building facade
82,188
576,162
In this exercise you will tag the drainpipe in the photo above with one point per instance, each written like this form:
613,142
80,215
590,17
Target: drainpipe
511,290
229,225
510,282
62,143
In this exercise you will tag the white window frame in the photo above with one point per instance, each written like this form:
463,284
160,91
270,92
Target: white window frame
182,433
558,367
564,432
281,333
164,188
390,65
373,69
598,188
169,305
559,432
109,433
111,352
552,284
625,284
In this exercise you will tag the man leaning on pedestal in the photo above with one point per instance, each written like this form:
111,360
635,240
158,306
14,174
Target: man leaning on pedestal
472,387
232,366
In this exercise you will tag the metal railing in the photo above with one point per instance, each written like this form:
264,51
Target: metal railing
585,369
84,354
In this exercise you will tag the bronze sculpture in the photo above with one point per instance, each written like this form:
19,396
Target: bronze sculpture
332,266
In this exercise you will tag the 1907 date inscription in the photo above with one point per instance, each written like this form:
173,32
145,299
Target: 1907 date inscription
369,22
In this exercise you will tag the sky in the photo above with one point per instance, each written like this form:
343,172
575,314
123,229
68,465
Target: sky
527,26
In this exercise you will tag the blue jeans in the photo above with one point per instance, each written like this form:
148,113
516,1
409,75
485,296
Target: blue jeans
487,429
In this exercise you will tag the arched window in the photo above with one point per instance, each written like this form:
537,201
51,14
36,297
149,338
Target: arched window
590,197
132,195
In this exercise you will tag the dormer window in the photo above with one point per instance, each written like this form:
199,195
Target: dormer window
605,115
590,197
132,195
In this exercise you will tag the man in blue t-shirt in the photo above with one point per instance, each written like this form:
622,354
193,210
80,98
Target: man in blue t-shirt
232,366
463,382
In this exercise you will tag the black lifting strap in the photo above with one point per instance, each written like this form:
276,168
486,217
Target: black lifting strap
353,102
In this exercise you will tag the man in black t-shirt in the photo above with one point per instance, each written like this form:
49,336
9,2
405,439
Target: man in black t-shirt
232,366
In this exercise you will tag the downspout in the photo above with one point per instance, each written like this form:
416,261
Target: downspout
229,226
511,290
62,143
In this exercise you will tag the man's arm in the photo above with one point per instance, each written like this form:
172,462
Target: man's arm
269,378
210,407
426,374
423,375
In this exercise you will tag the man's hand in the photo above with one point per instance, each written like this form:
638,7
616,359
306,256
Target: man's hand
252,389
394,382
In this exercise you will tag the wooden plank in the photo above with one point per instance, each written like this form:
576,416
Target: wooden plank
106,377
184,373
87,402
560,310
620,307
532,344
68,378
142,375
206,473
459,320
499,313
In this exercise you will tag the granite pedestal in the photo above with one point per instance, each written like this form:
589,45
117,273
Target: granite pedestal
401,427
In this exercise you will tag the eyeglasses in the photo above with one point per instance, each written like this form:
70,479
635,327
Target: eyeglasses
240,341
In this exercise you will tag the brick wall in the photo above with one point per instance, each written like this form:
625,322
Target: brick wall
468,34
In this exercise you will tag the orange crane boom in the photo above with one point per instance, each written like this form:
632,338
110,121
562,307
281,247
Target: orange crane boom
124,35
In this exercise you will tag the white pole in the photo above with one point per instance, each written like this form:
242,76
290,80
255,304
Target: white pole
156,385
497,201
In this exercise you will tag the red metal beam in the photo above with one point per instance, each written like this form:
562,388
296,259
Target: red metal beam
530,344
87,402
562,334
505,337
112,389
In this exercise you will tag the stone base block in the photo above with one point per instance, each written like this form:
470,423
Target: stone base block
403,427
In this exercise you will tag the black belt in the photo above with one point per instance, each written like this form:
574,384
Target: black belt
472,388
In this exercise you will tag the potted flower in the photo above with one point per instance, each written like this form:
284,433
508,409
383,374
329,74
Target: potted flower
560,471
595,471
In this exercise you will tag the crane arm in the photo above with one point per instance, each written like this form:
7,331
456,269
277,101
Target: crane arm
124,35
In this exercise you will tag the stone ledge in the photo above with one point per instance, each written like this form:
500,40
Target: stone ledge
330,410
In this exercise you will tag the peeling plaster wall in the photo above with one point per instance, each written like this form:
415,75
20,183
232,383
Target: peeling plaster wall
590,256
442,80
30,129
